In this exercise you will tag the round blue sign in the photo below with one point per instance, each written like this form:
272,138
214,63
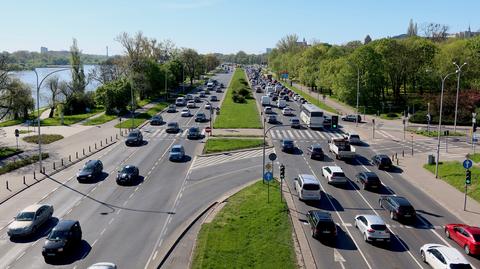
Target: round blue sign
467,164
268,176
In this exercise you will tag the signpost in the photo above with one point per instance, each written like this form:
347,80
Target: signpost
467,164
268,176
208,130
17,134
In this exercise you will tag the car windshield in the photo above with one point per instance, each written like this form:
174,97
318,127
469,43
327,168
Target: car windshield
354,136
25,216
176,150
199,115
373,179
132,135
56,235
311,187
128,169
88,168
385,161
460,266
288,142
193,130
338,174
379,227
295,121
317,149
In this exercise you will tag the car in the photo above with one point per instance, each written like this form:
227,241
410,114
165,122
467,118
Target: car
29,220
287,111
208,106
274,97
307,187
62,239
398,207
189,97
172,127
127,175
258,89
286,98
103,265
321,224
194,133
287,145
91,170
197,99
172,108
177,153
218,90
213,98
334,175
191,104
272,119
382,161
134,138
222,86
200,117
185,112
466,236
180,101
156,120
369,180
268,110
352,118
353,138
440,256
295,123
315,151
373,228
201,94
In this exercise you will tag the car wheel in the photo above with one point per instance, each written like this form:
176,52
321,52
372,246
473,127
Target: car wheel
392,215
467,250
422,254
447,233
365,237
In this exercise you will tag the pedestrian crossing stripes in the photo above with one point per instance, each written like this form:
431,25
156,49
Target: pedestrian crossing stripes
162,134
205,161
305,134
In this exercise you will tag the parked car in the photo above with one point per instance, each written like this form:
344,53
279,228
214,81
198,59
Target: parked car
156,120
194,133
315,151
268,110
369,180
177,153
440,257
466,236
62,239
185,112
287,145
398,207
90,171
307,187
351,118
29,220
334,175
321,224
134,138
191,104
287,111
172,108
172,127
382,161
295,123
127,175
272,119
200,117
373,228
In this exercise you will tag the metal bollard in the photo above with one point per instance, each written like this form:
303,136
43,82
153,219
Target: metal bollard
83,152
44,170
53,165
89,149
6,183
76,154
34,176
101,143
24,183
95,145
69,158
397,161
403,153
61,160
111,138
396,155
116,136
106,141
393,157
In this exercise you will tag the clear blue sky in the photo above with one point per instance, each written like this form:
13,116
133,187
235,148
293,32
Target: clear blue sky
224,26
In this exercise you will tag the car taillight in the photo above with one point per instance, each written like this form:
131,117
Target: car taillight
370,230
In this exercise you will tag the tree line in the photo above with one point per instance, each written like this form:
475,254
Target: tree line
25,60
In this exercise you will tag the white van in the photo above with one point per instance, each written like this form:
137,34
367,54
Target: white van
307,187
180,101
281,103
265,100
210,85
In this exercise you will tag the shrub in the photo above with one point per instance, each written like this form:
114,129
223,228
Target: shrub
392,115
419,117
237,98
244,92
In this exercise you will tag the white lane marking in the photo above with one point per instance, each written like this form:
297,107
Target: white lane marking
290,134
20,256
111,220
94,242
103,231
300,134
309,134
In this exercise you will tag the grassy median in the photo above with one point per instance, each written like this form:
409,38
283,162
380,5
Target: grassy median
46,138
228,144
248,233
238,115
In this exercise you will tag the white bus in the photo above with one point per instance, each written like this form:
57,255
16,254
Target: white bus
312,116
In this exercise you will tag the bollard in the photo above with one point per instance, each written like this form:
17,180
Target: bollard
76,154
83,152
393,157
61,161
95,145
69,158
6,183
89,149
403,153
53,165
116,136
44,170
106,141
396,155
101,143
397,161
34,176
111,138
24,183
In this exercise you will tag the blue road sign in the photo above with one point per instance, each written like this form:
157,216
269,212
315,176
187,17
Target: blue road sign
467,164
268,176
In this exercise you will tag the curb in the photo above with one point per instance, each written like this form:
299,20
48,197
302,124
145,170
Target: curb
232,151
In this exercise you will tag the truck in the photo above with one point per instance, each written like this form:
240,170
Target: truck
341,148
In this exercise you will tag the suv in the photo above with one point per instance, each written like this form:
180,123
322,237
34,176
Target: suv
288,145
353,138
334,175
191,104
63,238
194,133
180,101
177,153
29,220
369,180
200,117
172,108
372,227
91,170
127,175
382,161
156,120
213,98
172,127
322,224
316,152
351,118
135,137
307,187
399,207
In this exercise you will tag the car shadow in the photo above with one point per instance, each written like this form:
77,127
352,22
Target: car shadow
324,204
96,179
144,143
349,186
343,241
360,160
382,190
78,253
395,170
41,232
297,151
396,245
362,144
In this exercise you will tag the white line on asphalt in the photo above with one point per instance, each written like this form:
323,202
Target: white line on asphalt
21,255
111,220
94,242
118,212
125,203
136,189
68,212
155,255
103,231
435,232
129,197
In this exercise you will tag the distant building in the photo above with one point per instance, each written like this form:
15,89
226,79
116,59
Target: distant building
43,49
269,50
466,34
303,43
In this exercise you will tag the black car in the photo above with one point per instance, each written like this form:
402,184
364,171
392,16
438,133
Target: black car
369,180
127,175
172,127
322,224
194,133
134,138
399,207
286,98
382,161
200,117
156,120
287,145
90,171
172,108
316,152
63,238
352,118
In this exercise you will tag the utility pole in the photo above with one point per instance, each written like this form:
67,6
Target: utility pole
358,94
429,117
459,70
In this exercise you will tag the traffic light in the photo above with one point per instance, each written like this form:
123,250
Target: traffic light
468,177
474,127
334,122
282,171
17,133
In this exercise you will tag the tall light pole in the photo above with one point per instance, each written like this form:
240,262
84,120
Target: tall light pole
459,70
39,85
358,94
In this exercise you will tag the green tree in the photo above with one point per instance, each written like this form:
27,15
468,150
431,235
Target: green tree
114,96
191,60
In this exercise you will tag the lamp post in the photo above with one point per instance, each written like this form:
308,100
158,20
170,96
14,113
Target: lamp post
358,91
459,70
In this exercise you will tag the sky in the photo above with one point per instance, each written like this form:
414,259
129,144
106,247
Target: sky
224,26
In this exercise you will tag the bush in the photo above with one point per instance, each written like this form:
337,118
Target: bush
237,98
392,115
419,117
244,92
9,166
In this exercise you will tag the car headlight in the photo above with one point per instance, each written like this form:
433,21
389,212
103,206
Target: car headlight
60,250
89,176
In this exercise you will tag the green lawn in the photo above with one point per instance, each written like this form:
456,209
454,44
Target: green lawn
100,119
434,133
21,163
474,157
390,116
70,119
32,116
46,138
248,233
311,99
227,144
142,117
6,151
454,174
237,115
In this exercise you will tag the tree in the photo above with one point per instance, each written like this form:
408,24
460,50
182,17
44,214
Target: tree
21,99
79,82
211,62
435,31
288,43
114,96
412,29
367,40
5,96
108,70
53,83
190,59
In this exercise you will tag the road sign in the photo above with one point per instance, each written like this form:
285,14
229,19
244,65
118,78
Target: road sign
208,129
268,167
467,164
268,176
272,156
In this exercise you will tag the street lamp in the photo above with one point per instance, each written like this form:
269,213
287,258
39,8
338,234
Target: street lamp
459,70
358,91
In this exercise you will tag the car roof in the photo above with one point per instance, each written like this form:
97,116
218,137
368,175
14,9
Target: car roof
129,166
451,254
382,156
64,224
335,168
316,146
321,215
310,179
32,208
91,162
102,265
369,174
402,201
373,219
472,229
177,146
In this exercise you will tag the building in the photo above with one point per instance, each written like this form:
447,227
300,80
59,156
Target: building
303,43
269,50
466,34
43,49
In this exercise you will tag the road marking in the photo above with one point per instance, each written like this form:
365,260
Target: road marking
20,256
94,242
103,231
111,220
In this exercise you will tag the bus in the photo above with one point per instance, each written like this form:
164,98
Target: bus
312,116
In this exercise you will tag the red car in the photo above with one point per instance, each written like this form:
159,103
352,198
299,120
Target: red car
466,236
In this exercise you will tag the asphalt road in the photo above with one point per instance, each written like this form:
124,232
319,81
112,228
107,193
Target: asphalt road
132,226
350,250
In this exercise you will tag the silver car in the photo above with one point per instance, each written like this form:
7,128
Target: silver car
30,219
372,227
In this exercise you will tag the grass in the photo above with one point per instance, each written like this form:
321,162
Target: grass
142,117
20,121
70,119
7,152
10,166
100,120
228,144
433,133
454,174
25,131
390,116
248,233
46,138
238,115
311,99
474,157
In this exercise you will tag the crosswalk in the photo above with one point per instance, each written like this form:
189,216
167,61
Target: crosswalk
162,134
205,161
305,134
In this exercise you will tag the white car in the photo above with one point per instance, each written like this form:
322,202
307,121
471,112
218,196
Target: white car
334,175
103,265
353,138
191,104
29,220
268,110
372,228
208,106
287,111
185,112
440,256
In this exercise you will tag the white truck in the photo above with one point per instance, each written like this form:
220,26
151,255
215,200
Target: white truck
341,148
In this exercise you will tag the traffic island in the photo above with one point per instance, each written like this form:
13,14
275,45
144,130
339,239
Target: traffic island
214,145
46,138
